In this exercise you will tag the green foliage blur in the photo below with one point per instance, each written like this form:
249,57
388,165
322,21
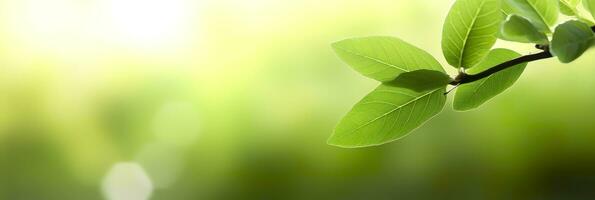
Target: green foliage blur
235,100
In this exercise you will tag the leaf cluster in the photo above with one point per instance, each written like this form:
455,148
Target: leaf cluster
413,84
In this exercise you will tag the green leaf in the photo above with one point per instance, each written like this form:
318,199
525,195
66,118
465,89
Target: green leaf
387,114
384,58
519,29
421,80
470,31
507,9
542,13
472,95
571,40
590,6
568,7
586,21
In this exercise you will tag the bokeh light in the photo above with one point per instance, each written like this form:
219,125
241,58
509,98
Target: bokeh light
147,23
127,181
162,162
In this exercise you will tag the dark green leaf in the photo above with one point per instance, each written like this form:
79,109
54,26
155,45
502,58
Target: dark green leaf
519,29
571,40
421,80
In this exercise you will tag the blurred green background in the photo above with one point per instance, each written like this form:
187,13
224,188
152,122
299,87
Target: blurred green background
234,99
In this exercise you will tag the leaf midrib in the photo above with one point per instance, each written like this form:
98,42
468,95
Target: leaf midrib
545,21
469,33
480,86
371,58
393,110
573,8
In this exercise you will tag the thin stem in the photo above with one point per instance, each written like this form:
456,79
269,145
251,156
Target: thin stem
452,89
464,78
468,78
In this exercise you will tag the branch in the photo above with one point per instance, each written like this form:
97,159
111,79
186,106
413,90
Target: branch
464,78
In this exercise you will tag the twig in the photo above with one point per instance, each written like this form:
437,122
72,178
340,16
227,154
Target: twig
464,78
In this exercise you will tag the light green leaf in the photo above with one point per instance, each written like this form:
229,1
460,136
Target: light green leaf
470,31
571,40
586,21
472,95
568,7
387,114
519,29
590,6
421,80
384,58
507,9
542,13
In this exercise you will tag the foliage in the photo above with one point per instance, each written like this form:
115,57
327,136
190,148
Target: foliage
469,31
520,29
413,83
384,58
571,40
472,95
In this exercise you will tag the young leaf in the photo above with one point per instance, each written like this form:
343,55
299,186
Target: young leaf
590,6
571,40
388,113
542,13
472,95
421,80
519,29
568,7
384,58
470,30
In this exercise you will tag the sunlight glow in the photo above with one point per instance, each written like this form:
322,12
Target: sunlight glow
45,24
148,22
73,27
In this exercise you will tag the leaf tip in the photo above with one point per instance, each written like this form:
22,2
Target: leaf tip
462,108
337,44
336,141
332,141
